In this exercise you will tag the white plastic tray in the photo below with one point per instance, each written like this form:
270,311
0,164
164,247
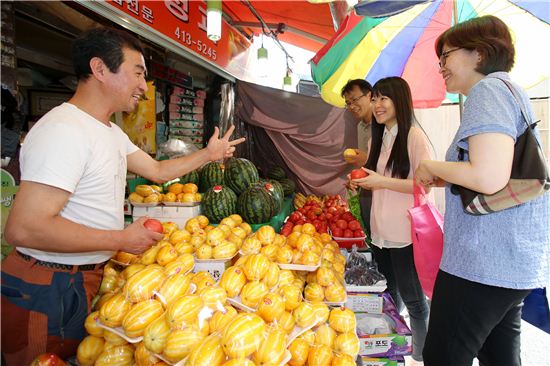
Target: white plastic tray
299,267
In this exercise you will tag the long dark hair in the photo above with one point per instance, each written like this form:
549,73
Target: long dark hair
399,92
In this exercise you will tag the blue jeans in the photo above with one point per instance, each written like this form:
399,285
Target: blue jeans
397,264
470,319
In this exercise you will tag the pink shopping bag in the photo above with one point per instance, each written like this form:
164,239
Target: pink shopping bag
427,237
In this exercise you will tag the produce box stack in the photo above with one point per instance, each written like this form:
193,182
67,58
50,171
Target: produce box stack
187,115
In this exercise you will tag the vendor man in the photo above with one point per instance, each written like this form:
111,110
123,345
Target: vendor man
67,219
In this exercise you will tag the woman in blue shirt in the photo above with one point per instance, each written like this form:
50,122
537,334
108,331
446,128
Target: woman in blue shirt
490,262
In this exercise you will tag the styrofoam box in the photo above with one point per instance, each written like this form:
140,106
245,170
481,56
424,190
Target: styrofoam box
179,215
361,302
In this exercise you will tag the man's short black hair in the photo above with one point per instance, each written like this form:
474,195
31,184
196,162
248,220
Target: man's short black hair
360,83
105,43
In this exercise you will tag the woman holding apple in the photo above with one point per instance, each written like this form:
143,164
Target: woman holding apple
397,148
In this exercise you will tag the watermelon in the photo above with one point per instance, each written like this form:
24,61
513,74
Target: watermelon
276,191
219,202
191,177
288,186
276,173
239,174
255,205
210,175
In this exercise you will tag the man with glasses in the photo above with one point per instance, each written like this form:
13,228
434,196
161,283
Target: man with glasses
357,94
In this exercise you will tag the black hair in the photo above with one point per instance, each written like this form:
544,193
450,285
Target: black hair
105,43
399,92
360,83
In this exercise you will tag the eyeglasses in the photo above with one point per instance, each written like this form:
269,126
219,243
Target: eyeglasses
353,101
444,55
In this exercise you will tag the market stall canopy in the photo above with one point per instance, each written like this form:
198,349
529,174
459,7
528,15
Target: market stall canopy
402,44
306,25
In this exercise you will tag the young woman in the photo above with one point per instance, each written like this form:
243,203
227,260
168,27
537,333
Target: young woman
397,147
490,262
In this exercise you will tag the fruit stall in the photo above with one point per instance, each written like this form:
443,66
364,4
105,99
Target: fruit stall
249,272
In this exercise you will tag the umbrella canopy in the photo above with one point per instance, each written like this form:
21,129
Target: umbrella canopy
307,25
403,45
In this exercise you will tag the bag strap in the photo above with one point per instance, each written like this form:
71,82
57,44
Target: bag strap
418,190
521,105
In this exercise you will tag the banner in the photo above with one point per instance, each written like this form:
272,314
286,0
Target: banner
140,125
185,23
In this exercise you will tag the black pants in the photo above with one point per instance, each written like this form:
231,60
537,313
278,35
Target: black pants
397,264
469,319
365,201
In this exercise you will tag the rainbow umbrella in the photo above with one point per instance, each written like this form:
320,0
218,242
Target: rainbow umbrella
402,44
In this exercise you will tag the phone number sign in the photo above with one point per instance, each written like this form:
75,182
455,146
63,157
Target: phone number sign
185,23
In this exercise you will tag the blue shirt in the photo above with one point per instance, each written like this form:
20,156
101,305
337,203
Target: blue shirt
510,248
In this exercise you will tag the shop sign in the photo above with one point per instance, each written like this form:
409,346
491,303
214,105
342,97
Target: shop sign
173,76
140,125
184,21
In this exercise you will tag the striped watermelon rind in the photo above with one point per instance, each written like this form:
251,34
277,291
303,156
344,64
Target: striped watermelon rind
276,173
210,175
288,185
239,174
191,177
255,205
276,192
219,202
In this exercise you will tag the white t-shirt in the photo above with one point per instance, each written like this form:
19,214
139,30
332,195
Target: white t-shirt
71,150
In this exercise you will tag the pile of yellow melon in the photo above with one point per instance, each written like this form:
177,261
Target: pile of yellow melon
176,192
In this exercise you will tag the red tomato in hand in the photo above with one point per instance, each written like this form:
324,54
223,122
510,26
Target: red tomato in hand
358,173
48,359
153,225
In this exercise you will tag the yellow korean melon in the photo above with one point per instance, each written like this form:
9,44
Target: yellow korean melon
204,251
270,251
141,286
321,311
113,339
202,279
299,351
280,240
309,336
225,249
342,320
286,321
325,276
239,362
140,316
342,360
335,293
319,356
181,342
215,237
284,254
184,247
156,334
114,310
256,267
292,296
325,335
229,222
143,356
91,324
237,219
150,255
89,350
213,296
221,318
251,245
166,254
271,307
232,280
242,336
271,278
285,277
252,293
347,343
272,347
175,286
116,356
179,236
266,235
314,292
304,315
209,352
183,310
131,270
246,226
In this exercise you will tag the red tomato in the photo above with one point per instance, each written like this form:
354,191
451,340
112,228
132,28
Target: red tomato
300,222
48,359
358,233
328,216
354,225
153,225
348,216
286,231
358,173
337,232
295,216
342,224
348,233
332,210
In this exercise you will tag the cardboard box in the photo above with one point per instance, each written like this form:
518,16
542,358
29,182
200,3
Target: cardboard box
179,214
362,302
369,361
396,343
